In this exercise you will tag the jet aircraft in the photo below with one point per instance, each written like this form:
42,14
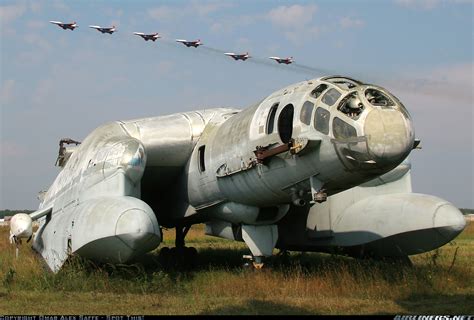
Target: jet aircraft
65,26
321,165
282,60
151,36
188,44
236,56
108,30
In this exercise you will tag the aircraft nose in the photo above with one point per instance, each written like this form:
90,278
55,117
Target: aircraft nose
135,228
449,221
390,136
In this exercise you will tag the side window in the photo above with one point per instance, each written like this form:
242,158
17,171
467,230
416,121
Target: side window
285,123
271,118
343,130
202,164
319,89
321,120
331,97
306,112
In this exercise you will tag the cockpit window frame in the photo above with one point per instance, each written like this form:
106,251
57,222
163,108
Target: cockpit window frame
316,94
331,89
270,125
306,112
342,130
353,114
391,104
321,121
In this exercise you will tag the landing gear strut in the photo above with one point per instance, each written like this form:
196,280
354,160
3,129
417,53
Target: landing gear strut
179,256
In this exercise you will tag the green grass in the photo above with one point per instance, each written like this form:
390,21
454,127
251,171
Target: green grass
441,282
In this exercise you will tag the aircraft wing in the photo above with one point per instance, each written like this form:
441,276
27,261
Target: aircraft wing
139,33
95,27
56,22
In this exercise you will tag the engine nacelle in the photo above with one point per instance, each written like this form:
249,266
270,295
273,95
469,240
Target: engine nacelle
21,227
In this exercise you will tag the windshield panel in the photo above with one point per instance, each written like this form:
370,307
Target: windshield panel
331,97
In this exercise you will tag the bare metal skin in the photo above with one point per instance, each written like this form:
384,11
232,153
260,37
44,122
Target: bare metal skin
318,166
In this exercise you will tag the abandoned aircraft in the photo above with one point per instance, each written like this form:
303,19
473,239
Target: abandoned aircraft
321,165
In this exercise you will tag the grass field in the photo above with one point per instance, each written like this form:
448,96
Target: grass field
440,282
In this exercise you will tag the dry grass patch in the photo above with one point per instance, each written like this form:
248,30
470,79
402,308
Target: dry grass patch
440,282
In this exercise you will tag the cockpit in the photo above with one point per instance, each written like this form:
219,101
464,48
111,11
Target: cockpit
358,118
367,125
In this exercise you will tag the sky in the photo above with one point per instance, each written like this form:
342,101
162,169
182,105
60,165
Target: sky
57,83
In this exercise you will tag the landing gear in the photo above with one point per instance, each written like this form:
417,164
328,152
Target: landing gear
255,262
179,256
261,240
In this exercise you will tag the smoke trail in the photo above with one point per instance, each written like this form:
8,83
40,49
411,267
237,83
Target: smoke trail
295,67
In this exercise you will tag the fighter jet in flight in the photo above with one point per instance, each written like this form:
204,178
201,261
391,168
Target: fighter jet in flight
151,36
321,165
282,60
65,26
188,44
109,30
236,56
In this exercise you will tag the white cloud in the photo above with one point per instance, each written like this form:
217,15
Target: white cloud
295,22
452,83
292,17
347,22
7,92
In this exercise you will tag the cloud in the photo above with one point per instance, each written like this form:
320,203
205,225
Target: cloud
295,22
452,83
7,92
292,17
347,22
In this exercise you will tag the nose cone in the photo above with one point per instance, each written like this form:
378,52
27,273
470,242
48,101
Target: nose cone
390,136
137,230
449,221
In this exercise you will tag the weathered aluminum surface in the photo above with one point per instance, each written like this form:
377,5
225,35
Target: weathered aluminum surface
128,178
